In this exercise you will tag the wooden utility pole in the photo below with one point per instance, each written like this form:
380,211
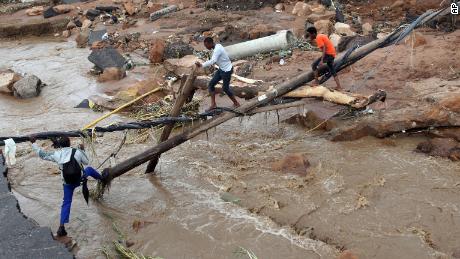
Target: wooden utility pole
185,93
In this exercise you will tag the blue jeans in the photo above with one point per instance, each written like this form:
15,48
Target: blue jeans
68,194
225,77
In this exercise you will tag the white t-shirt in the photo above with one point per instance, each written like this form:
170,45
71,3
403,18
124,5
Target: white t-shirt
219,57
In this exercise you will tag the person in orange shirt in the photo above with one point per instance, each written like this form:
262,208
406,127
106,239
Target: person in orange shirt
329,53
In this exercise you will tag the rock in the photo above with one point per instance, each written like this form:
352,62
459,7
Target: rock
311,119
66,33
367,29
34,11
323,26
397,4
244,70
82,39
297,7
335,39
91,14
156,51
182,66
261,30
328,15
302,9
320,10
63,8
293,163
98,45
129,8
343,29
86,24
415,40
112,74
106,58
7,80
96,35
347,254
27,87
71,25
50,12
441,147
280,7
177,49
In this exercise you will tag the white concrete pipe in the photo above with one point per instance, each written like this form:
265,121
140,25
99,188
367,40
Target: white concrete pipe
156,15
281,40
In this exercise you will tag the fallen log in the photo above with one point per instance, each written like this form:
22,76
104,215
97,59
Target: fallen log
353,100
187,91
343,61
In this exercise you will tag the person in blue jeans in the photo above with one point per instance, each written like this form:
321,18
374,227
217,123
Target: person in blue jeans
224,73
61,156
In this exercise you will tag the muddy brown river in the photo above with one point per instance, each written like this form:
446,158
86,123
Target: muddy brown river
375,197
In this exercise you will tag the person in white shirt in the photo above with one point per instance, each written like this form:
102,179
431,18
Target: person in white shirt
224,73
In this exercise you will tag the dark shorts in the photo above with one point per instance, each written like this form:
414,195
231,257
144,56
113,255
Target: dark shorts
225,77
329,60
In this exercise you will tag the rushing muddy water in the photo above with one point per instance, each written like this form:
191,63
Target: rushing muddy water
377,198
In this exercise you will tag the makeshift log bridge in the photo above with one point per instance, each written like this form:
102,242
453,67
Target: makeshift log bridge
343,61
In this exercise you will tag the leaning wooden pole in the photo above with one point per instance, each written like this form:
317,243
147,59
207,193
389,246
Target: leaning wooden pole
187,90
286,87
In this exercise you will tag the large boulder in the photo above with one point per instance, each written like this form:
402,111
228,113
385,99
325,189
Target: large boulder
7,80
182,66
86,24
156,51
302,9
293,164
82,39
335,39
440,147
177,49
323,26
261,30
107,57
27,87
112,74
343,29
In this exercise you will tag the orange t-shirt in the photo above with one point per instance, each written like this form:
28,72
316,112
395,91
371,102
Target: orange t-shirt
323,40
